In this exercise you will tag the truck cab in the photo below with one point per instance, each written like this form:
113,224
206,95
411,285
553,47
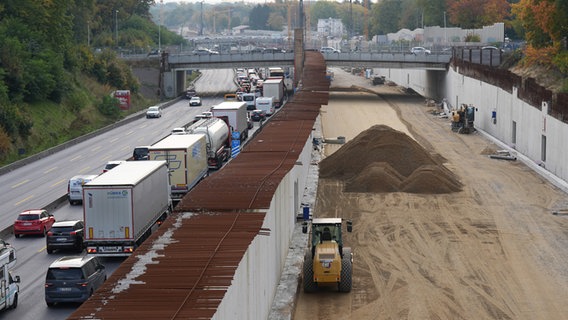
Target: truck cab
250,100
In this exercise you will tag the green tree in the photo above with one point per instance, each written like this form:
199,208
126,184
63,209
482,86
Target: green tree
109,106
386,16
258,17
323,10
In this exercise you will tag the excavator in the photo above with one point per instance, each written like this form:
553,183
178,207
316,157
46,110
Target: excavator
327,263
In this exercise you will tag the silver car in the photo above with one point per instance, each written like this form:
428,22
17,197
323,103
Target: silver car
153,112
420,50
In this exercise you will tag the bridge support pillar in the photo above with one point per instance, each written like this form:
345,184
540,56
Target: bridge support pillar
298,55
169,84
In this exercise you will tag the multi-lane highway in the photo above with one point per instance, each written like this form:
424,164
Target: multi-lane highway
41,182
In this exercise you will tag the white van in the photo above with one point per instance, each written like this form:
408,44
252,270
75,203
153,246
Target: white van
249,98
266,104
75,187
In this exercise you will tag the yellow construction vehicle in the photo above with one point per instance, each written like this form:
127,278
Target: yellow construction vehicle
327,262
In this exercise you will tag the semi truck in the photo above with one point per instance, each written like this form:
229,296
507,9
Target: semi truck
186,157
122,207
9,288
218,140
235,114
274,88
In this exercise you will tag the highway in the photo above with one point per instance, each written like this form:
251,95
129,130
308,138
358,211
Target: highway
41,182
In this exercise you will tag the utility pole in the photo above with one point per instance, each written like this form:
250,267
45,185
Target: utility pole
160,28
445,32
116,26
201,21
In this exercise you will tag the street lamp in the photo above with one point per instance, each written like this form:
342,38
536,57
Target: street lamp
445,32
160,28
116,26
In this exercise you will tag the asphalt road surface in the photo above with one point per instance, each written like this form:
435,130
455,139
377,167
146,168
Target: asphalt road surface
41,182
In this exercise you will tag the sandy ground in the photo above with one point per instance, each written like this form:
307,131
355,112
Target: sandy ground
491,251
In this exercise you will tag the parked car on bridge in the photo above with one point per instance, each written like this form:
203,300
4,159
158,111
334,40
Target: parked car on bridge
420,50
204,52
491,48
329,50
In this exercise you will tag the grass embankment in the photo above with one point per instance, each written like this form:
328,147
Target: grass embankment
76,115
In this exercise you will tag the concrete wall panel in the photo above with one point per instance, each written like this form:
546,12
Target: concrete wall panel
531,123
252,291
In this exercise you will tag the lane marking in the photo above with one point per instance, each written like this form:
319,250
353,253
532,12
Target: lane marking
50,169
23,200
84,169
21,183
58,183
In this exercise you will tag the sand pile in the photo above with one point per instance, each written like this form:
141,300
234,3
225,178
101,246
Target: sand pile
381,159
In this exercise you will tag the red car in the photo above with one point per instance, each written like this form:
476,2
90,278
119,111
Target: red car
37,221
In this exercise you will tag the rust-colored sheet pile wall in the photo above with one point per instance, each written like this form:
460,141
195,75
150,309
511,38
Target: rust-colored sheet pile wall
185,268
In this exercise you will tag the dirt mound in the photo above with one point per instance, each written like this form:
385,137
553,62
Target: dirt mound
381,159
376,177
430,179
379,143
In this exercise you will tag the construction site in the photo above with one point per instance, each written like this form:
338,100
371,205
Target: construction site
441,230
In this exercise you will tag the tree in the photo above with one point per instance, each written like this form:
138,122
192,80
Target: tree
386,17
544,23
323,10
469,14
276,22
258,17
431,12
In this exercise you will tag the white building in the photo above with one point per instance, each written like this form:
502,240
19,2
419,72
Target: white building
330,27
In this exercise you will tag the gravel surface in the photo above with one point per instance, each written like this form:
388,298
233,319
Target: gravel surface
491,249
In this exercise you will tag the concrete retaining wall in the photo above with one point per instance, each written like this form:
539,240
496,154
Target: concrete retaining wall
252,291
518,126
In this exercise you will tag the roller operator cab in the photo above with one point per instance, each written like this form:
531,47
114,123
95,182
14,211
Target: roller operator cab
327,263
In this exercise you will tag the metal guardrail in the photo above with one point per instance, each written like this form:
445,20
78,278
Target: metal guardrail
437,61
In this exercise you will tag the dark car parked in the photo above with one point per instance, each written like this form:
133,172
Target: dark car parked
73,279
258,115
65,235
140,153
189,93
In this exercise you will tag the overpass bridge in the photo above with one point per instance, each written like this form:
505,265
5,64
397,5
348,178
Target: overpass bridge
174,66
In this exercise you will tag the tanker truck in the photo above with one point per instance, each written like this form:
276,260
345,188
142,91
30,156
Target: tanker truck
218,140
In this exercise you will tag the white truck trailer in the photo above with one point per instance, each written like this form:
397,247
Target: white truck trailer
186,156
218,139
266,104
274,88
235,114
9,288
123,206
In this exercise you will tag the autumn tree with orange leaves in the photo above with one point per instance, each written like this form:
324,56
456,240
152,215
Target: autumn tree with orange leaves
545,23
470,14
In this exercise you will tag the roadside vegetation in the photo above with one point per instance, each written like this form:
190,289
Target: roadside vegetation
60,61
59,65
